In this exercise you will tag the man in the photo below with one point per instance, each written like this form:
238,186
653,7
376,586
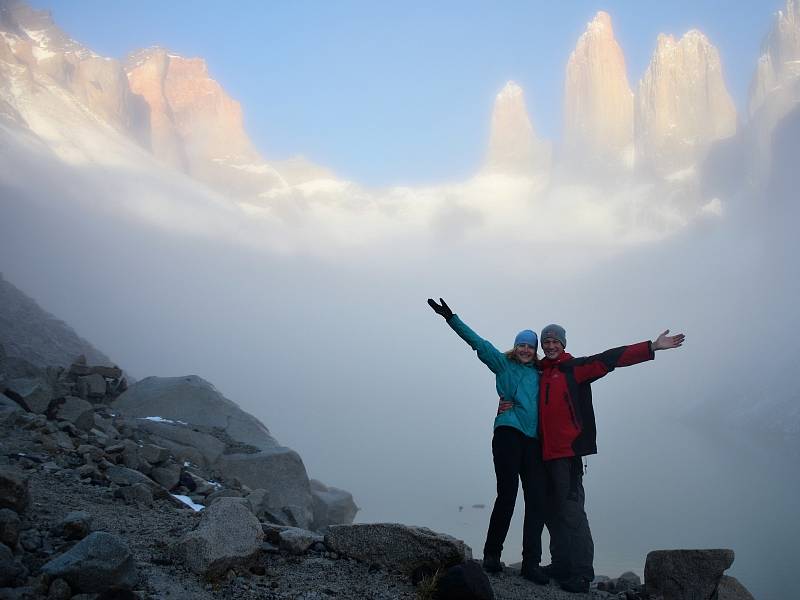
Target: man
568,432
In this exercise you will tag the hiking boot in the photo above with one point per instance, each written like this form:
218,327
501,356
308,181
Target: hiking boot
554,572
575,584
492,564
534,573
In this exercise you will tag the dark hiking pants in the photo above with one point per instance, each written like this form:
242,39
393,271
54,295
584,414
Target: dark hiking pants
517,457
571,545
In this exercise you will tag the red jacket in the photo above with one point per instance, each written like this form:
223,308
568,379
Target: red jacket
566,415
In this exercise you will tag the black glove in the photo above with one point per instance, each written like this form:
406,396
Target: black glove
442,309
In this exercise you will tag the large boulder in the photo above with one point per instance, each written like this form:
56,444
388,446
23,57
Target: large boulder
399,547
197,402
466,581
331,505
228,534
77,411
731,589
97,562
685,574
281,472
14,492
33,393
182,440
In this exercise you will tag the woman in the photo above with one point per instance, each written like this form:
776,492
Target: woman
516,449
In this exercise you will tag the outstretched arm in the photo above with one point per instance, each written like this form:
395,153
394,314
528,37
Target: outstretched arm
489,355
441,309
665,342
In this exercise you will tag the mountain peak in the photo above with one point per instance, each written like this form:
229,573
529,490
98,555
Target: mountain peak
683,104
513,144
598,111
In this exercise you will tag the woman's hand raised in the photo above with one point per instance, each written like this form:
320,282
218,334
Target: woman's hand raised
441,309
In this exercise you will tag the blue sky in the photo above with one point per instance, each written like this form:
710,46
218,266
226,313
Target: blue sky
401,93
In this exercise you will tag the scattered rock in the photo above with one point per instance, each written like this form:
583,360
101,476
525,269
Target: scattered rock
466,581
228,535
731,589
685,574
59,590
331,505
9,527
138,493
75,526
77,411
95,563
13,490
298,541
395,546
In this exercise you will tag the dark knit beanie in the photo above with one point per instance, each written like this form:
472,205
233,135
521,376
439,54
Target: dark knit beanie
555,332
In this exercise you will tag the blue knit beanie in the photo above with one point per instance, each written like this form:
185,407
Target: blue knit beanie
526,336
555,332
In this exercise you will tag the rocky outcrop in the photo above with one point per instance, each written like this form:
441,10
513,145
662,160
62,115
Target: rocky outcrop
775,87
38,45
396,546
30,333
514,147
196,126
685,574
331,506
682,105
598,101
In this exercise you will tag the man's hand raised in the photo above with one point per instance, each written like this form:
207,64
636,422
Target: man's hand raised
665,342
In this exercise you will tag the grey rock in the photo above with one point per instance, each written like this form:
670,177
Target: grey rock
91,451
183,441
137,493
125,476
9,527
154,454
627,581
226,493
94,564
298,541
466,581
59,590
14,492
195,401
685,574
331,506
168,475
30,539
11,571
228,535
76,525
279,471
56,441
731,589
77,411
9,410
35,392
395,546
93,386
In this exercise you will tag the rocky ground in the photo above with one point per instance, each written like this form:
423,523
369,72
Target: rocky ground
152,528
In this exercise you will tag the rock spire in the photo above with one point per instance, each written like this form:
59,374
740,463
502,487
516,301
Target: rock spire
598,101
513,144
682,105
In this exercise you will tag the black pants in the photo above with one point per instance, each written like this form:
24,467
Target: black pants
517,457
571,544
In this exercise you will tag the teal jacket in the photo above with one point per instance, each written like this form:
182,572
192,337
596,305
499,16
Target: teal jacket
515,382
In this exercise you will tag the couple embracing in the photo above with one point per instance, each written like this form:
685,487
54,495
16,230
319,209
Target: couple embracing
544,425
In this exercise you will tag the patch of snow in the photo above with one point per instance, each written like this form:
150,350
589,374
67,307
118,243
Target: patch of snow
40,53
216,484
162,420
38,35
188,502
